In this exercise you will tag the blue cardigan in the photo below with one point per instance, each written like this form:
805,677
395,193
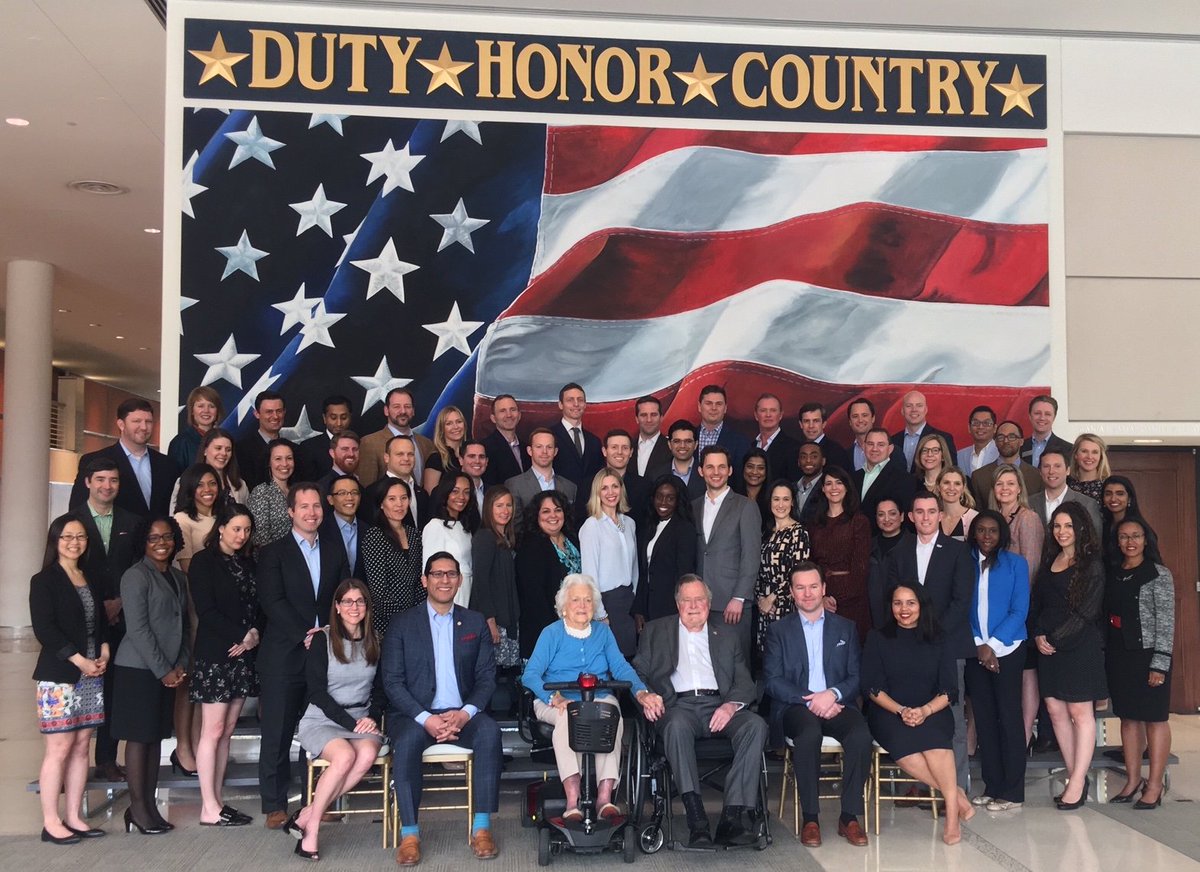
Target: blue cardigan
1008,598
560,657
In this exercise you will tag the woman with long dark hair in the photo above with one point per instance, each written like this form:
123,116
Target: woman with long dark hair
1064,611
1119,501
493,561
268,500
666,550
66,610
841,545
547,553
455,520
753,481
391,556
783,547
195,508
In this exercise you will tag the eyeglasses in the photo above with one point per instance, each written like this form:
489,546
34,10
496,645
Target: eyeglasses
448,574
347,493
352,603
155,538
1130,537
73,537
1007,437
984,423
931,449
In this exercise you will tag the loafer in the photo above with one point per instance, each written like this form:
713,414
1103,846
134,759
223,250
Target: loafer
852,833
1002,805
810,835
409,852
275,820
982,799
108,772
483,846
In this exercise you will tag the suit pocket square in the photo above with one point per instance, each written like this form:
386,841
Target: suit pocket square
470,637
840,643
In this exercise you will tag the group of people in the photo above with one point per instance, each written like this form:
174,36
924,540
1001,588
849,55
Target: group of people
859,591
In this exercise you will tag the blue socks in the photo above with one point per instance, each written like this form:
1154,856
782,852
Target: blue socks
413,830
483,821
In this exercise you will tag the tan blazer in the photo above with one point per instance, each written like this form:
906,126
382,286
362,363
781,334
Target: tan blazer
371,465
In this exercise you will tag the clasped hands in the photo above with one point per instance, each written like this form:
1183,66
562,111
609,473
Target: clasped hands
446,726
823,704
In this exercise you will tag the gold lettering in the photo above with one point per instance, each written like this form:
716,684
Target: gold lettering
652,70
502,61
942,76
399,58
258,64
304,66
907,67
358,43
738,79
869,70
549,72
803,81
581,64
604,70
820,86
979,82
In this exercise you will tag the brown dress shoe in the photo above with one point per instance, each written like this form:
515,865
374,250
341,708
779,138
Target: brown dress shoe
332,817
275,820
853,833
810,835
409,852
483,845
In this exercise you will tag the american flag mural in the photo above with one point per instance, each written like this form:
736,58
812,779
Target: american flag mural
349,254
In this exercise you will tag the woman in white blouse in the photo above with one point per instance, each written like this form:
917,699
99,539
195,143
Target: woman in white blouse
608,553
455,520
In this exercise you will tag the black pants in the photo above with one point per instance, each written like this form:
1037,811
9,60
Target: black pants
850,728
106,745
280,704
996,703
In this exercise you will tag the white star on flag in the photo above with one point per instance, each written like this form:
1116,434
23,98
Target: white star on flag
296,310
252,144
395,166
225,364
453,333
185,303
334,121
303,429
242,257
317,212
457,226
190,187
470,128
387,271
378,385
246,403
316,328
349,240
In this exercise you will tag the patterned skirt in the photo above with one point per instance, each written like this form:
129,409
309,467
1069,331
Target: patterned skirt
66,707
223,680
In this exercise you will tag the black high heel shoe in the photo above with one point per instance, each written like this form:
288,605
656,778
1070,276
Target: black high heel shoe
1071,806
179,768
1128,797
1142,805
72,839
151,830
292,828
312,856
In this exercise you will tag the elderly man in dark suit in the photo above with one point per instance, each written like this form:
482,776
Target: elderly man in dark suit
944,567
729,546
780,448
438,669
149,476
811,664
700,687
506,457
296,576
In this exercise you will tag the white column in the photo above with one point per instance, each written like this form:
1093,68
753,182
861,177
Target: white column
25,463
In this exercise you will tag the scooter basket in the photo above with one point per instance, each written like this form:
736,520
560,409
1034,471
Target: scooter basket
592,726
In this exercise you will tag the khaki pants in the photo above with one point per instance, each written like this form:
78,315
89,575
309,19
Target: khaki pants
607,765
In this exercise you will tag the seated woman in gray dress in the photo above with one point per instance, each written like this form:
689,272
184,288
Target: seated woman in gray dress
341,724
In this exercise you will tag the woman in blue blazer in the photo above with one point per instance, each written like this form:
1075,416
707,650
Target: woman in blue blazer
993,680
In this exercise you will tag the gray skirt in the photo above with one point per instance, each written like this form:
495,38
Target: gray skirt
316,729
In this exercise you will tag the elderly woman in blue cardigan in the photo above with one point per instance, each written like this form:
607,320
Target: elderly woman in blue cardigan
998,611
566,648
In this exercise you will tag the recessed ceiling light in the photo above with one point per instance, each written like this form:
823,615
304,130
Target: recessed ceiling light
1147,441
17,122
143,348
118,337
95,186
64,311
151,230
94,324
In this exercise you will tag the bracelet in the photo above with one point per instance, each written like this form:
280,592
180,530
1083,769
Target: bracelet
903,709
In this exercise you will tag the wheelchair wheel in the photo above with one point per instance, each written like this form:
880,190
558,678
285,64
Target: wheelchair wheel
651,839
628,843
543,846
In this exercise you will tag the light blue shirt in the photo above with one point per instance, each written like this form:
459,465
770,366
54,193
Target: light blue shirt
445,679
910,446
860,458
1039,445
546,484
814,642
349,531
608,553
312,558
141,469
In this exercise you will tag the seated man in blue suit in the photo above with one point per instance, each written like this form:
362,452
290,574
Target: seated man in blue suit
439,672
811,666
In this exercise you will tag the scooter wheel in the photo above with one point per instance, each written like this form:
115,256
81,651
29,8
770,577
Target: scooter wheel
628,843
651,839
543,846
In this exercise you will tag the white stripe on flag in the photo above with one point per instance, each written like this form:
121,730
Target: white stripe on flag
706,189
818,333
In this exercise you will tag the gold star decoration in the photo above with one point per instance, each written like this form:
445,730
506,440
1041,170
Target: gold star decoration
700,82
217,61
1016,93
446,70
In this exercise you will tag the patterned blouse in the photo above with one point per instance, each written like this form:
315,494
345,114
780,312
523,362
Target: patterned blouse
268,504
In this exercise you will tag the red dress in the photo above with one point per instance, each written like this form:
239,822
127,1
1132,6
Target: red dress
842,548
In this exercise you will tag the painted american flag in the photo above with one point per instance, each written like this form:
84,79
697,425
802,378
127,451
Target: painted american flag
330,254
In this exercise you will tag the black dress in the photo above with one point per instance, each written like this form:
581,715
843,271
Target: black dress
222,679
393,574
1075,672
912,672
1127,663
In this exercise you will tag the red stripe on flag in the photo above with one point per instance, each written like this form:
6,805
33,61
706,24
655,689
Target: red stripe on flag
873,249
581,157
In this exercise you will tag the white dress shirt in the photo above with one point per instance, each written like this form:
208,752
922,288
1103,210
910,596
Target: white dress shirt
645,447
695,669
992,642
924,553
712,505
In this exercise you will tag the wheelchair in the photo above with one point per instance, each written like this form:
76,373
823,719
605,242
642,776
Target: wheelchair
652,783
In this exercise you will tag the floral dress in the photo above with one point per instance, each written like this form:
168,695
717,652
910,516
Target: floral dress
232,677
781,550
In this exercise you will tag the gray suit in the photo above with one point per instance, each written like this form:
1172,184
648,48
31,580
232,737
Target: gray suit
525,487
687,715
154,620
728,560
1037,502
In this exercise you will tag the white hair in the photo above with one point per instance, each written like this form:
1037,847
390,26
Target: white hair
573,580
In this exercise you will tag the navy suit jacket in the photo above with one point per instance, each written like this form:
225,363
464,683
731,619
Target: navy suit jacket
580,470
834,454
163,473
408,670
501,464
738,444
331,533
893,483
949,580
785,659
781,455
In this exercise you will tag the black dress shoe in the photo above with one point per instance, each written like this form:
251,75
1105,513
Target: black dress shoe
732,834
1071,806
229,813
700,840
72,839
108,772
90,833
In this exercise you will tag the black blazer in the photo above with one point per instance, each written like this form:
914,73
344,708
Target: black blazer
330,532
501,464
781,455
674,555
950,582
221,623
637,490
834,453
285,593
368,507
56,613
572,467
252,457
897,441
107,567
313,460
660,456
694,486
539,574
163,473
894,483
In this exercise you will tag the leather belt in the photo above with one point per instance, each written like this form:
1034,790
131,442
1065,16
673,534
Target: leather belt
703,691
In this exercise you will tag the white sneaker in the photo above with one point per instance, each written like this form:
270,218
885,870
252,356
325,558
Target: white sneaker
981,800
1002,805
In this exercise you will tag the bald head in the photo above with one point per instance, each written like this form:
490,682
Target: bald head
915,409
